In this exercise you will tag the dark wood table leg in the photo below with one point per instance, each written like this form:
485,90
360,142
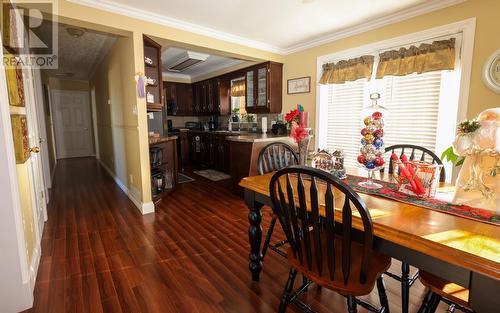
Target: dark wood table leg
483,293
254,234
405,287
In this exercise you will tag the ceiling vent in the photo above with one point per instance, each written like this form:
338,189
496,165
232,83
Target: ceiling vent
188,59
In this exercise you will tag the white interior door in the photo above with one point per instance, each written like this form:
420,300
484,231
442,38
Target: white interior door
40,106
72,119
38,193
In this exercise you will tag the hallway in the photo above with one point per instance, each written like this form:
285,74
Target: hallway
99,254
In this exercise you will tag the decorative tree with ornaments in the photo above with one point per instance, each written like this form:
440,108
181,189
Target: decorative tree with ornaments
372,139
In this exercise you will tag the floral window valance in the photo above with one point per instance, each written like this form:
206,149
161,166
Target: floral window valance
347,70
437,56
238,88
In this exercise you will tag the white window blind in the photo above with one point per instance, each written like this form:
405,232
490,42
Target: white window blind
412,101
345,102
413,104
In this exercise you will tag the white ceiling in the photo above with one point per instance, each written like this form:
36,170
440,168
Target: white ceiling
78,57
212,64
275,25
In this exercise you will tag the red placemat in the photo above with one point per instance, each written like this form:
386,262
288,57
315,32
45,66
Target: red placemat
390,191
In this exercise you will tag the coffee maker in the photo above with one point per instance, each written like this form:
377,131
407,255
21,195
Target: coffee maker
213,123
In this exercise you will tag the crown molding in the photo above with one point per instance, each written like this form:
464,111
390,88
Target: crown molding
395,17
152,17
420,9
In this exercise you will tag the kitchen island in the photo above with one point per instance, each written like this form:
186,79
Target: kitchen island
244,154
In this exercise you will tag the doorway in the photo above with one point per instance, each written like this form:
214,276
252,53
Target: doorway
72,124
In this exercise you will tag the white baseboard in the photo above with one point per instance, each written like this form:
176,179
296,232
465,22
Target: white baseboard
35,262
144,207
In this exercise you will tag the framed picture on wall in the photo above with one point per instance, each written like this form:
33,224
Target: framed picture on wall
15,85
299,85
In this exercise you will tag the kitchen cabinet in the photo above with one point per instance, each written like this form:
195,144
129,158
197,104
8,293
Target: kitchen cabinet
221,151
164,166
209,150
178,99
211,97
153,73
263,90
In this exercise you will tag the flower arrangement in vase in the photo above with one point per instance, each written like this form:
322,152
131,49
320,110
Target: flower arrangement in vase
298,122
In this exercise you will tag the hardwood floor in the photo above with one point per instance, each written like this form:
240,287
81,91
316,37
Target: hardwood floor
100,255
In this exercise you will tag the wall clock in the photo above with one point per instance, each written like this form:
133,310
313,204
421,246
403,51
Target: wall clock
491,72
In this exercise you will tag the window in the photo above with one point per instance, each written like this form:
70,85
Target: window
416,107
422,111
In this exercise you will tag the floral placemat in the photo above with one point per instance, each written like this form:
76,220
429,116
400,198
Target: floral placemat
389,190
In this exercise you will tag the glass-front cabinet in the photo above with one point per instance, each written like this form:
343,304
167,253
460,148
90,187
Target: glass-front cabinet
249,89
262,87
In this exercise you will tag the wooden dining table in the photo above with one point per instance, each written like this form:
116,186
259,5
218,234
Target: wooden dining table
458,249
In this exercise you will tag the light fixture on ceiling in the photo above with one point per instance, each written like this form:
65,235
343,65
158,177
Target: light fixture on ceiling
64,74
188,59
75,32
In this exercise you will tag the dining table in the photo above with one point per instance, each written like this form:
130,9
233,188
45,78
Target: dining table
461,250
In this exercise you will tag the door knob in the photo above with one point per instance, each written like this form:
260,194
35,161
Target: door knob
34,149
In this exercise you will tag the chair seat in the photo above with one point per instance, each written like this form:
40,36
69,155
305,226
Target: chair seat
445,289
379,263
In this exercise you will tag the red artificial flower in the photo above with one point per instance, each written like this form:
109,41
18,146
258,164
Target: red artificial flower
298,132
293,115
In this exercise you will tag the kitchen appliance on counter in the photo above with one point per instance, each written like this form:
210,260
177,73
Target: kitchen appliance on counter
213,123
155,156
193,125
279,128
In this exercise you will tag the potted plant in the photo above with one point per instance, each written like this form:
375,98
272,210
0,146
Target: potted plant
235,115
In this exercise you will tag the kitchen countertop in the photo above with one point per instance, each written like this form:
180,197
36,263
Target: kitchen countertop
257,137
153,141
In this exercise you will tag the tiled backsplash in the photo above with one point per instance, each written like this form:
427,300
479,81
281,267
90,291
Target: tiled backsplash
180,121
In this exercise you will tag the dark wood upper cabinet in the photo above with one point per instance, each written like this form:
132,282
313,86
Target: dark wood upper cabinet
263,92
211,97
178,98
153,70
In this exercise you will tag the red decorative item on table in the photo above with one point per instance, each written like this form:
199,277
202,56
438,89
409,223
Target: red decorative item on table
297,121
417,178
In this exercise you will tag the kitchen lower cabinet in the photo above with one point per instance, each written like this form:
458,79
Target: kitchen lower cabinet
164,167
209,150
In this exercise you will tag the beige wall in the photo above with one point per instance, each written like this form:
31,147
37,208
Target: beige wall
117,124
26,208
68,84
487,41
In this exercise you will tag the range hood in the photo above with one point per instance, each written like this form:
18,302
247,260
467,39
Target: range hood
188,59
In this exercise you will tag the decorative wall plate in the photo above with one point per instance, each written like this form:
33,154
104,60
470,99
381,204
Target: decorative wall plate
491,72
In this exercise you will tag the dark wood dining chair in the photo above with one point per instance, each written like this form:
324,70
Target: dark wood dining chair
413,152
328,253
273,157
456,296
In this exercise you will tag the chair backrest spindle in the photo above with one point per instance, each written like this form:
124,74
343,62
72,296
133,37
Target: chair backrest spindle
276,156
309,222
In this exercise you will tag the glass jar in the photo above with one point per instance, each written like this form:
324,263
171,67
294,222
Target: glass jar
372,148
